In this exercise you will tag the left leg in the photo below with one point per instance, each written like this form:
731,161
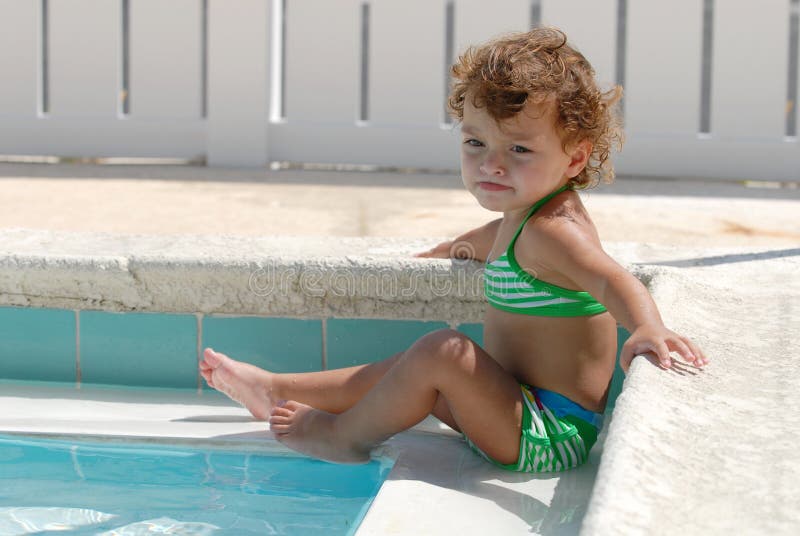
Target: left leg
442,368
258,390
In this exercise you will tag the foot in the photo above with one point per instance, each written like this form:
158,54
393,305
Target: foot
246,384
313,433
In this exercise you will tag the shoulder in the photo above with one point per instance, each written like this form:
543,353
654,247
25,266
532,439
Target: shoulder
560,230
564,218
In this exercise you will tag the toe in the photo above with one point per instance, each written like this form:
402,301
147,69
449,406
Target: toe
211,358
279,428
281,412
207,377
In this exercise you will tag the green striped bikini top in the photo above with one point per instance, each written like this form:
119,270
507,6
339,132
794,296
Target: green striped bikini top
510,288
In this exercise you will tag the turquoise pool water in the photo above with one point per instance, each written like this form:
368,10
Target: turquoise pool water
113,489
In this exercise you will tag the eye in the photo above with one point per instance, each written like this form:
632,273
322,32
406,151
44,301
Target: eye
472,142
520,149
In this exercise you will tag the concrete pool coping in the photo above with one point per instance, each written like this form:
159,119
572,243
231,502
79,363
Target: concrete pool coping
712,451
671,431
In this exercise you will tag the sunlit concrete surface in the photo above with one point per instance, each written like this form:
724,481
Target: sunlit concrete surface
711,451
200,200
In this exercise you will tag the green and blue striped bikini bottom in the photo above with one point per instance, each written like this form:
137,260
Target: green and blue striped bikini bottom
557,433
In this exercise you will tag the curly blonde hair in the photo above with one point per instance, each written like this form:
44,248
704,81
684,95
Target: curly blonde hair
504,73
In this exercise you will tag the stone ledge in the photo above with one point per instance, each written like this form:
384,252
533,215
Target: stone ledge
267,276
687,448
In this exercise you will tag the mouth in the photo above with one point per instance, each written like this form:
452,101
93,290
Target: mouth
492,186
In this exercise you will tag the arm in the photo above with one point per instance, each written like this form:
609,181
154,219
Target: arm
475,244
632,306
570,251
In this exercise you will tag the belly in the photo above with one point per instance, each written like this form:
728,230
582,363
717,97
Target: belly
571,356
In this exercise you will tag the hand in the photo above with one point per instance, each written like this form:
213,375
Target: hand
660,341
441,251
451,249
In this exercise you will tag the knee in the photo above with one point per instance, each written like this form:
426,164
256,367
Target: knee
445,347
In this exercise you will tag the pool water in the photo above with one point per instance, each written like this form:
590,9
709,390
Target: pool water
113,489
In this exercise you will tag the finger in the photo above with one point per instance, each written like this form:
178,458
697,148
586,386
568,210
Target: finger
658,352
662,353
683,349
690,351
625,358
630,350
698,353
442,251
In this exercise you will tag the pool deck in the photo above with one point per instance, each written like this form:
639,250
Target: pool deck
685,448
169,200
434,473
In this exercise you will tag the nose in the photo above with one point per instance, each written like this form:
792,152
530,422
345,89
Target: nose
493,165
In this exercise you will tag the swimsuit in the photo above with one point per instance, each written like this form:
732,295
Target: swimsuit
510,288
557,433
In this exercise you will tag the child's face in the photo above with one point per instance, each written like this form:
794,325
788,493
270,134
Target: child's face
511,165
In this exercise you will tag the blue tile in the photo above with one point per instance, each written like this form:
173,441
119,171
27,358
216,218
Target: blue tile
473,331
355,342
37,344
619,377
147,349
276,344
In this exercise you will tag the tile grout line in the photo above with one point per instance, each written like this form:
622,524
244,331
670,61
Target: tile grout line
78,373
199,318
324,344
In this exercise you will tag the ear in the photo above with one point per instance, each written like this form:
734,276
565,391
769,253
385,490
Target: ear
579,155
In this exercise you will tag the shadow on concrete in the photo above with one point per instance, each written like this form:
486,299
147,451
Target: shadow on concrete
383,177
723,189
216,419
193,173
727,259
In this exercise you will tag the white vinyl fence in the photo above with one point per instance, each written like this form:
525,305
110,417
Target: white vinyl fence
711,86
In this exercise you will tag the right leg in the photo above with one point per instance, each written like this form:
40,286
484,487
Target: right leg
485,400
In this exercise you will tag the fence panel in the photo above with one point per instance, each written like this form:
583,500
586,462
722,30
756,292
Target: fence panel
165,59
66,73
795,105
84,58
238,82
662,86
749,69
592,27
748,97
323,64
407,63
19,53
477,21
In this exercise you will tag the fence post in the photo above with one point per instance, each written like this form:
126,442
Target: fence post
238,83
